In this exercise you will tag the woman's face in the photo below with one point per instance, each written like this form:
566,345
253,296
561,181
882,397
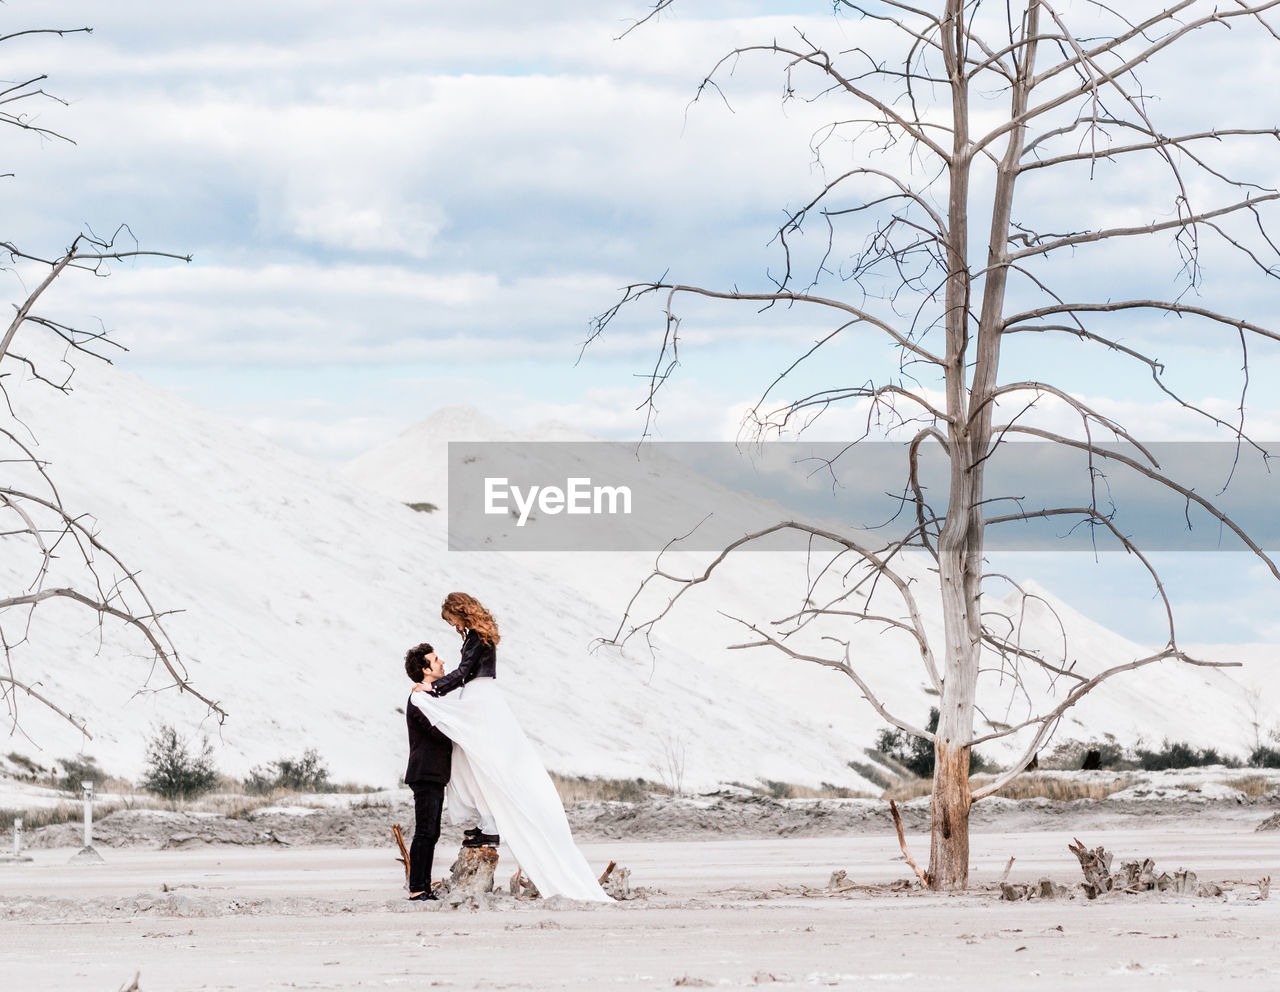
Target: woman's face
453,621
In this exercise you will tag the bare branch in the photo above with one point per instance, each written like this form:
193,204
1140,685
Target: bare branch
1190,495
45,701
1047,720
820,60
657,9
1152,228
1115,306
1179,142
768,640
128,619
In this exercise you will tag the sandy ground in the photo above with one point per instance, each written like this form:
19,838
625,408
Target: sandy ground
723,913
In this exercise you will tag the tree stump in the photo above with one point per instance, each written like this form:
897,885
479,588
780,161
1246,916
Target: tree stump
472,872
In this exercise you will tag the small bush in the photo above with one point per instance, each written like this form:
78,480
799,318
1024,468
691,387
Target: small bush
1264,757
876,776
1180,754
916,753
306,773
28,770
777,790
173,772
1070,755
77,770
912,752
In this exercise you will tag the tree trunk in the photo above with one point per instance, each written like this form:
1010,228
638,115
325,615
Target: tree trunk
949,839
960,544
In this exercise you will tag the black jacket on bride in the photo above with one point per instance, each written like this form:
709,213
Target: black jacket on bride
479,661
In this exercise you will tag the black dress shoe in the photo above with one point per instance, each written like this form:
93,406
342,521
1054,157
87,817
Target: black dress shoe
480,840
423,897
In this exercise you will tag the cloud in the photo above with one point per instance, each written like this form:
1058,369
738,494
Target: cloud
402,185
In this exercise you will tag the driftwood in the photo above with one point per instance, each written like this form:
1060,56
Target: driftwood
1045,888
522,886
404,851
607,872
1141,876
902,843
1096,865
616,882
838,885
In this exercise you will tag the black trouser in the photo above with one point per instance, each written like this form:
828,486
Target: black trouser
428,800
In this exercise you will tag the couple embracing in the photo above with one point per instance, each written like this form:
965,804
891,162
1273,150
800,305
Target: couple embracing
463,733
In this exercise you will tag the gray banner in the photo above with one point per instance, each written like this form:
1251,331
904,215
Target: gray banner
605,496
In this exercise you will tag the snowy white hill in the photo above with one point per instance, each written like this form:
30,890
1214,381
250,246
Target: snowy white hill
301,588
300,592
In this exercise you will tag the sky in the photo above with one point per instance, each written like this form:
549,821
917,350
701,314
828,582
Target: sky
396,206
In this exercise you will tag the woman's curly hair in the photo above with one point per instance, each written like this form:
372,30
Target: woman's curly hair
473,616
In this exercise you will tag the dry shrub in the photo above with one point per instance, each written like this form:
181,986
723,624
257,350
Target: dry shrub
828,791
789,790
230,805
1252,785
46,816
1027,786
581,788
1059,787
911,789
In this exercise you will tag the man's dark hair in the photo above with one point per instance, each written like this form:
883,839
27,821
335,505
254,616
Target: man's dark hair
415,661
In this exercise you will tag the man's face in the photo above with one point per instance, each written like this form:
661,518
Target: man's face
434,666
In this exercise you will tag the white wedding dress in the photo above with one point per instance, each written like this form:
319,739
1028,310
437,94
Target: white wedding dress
499,773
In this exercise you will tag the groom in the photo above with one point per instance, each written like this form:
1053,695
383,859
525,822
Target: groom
466,804
430,754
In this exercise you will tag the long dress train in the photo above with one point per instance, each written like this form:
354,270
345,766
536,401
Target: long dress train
507,780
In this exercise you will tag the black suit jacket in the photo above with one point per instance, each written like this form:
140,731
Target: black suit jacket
430,751
479,661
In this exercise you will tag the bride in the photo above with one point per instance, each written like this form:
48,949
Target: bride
497,776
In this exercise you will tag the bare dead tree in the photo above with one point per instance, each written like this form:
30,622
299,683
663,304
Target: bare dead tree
952,109
61,554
